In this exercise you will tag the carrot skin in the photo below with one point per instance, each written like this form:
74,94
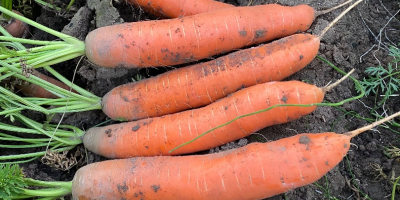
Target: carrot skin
201,84
182,40
158,135
178,8
16,27
255,171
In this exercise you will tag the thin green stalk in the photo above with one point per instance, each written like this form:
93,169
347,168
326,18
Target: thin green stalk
60,35
55,188
89,97
20,99
71,2
394,187
31,155
33,42
48,5
8,5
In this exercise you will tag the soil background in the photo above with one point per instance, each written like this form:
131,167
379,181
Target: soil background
359,40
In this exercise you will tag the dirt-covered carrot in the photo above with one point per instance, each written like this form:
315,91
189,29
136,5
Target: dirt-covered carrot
178,8
203,83
158,135
255,171
182,40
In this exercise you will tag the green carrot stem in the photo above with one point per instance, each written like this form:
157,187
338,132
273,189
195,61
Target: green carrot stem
34,154
31,41
63,36
54,188
20,99
25,146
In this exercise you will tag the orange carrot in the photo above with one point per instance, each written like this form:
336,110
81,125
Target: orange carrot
33,90
178,8
203,83
255,171
186,39
158,135
16,27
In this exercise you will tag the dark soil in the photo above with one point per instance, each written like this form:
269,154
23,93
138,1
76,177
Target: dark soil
357,41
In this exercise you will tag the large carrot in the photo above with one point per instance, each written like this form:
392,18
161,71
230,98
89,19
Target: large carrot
187,39
178,8
255,171
158,135
203,83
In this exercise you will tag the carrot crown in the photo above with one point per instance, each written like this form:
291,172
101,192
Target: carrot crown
16,61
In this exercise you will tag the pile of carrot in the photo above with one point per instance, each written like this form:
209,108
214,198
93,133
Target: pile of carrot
178,106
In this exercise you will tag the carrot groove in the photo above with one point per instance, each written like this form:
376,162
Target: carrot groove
156,136
182,40
178,8
203,83
255,171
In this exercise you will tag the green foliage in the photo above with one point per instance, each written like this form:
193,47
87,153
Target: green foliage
383,80
11,181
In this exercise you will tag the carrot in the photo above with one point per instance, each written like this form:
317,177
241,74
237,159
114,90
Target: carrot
16,27
178,8
156,136
203,83
200,84
32,90
182,40
255,171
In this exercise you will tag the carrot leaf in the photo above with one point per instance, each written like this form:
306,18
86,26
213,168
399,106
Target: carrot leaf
11,181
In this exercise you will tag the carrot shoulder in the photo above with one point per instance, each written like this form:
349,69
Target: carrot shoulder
256,171
158,135
182,40
178,8
201,84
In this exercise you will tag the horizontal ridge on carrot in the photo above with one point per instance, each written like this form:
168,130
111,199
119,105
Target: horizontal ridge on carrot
178,8
158,135
182,40
200,84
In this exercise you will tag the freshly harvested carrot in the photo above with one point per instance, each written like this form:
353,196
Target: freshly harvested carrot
16,27
158,135
203,83
182,40
33,90
178,8
255,171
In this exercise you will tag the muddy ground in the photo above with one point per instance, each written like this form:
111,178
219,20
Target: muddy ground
358,41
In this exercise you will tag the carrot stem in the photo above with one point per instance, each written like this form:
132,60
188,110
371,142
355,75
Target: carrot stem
370,126
338,18
322,12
